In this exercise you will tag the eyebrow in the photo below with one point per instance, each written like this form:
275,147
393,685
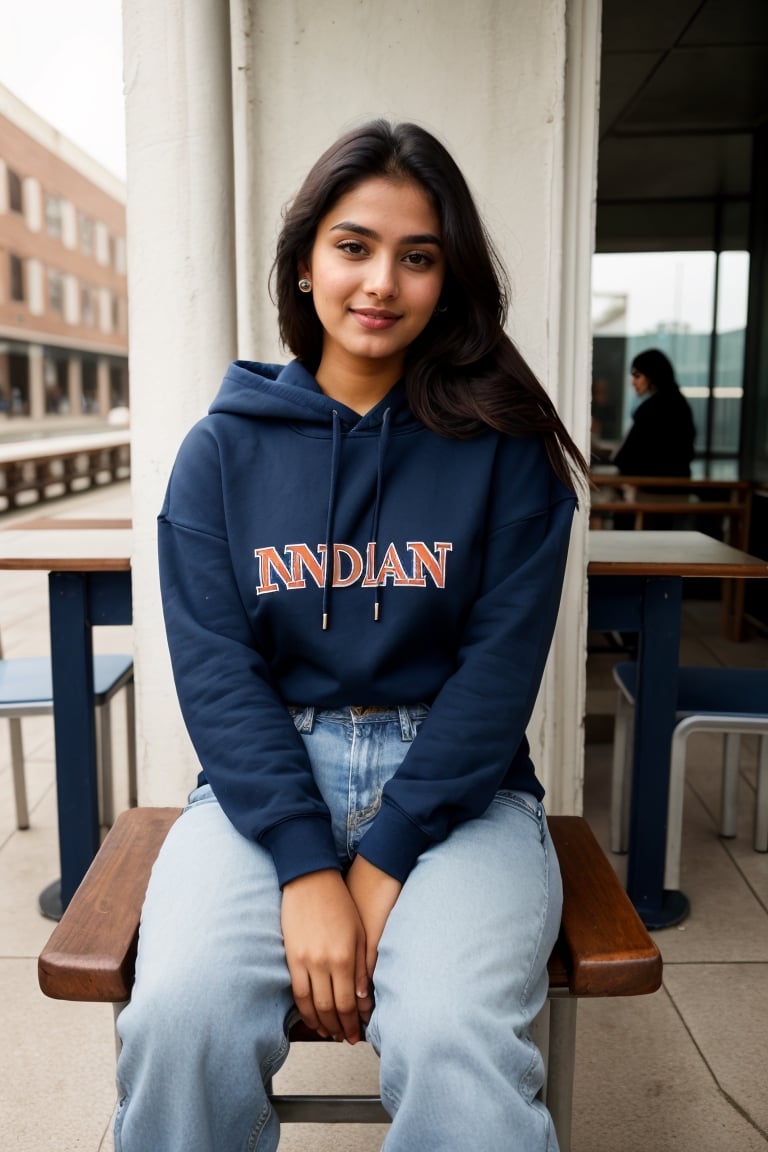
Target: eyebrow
361,230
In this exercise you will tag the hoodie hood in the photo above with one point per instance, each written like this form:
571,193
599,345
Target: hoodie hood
289,393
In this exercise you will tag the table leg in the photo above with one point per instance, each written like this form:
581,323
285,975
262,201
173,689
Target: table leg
76,784
655,706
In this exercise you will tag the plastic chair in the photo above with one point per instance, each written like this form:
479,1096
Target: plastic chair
732,701
26,689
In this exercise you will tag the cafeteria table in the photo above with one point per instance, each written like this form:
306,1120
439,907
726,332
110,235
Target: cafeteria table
635,584
89,583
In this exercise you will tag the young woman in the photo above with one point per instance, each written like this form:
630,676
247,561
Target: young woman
361,560
661,439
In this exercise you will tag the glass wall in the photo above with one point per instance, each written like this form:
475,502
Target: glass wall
692,306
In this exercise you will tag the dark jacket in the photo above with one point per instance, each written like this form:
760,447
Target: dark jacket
660,441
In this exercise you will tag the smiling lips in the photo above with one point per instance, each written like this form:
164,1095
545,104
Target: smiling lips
375,318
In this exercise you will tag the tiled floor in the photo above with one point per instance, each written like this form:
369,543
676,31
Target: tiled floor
683,1070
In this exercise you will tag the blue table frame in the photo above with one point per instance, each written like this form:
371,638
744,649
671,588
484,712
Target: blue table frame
77,602
636,585
650,606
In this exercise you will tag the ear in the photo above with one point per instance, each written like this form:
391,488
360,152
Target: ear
305,270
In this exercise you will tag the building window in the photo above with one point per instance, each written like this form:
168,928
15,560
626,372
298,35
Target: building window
55,291
86,306
56,394
54,216
14,191
86,234
90,393
17,278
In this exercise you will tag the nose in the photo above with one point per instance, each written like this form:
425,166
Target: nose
381,277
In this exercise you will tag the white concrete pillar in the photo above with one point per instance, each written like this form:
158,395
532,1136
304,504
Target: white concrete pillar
524,133
557,733
102,386
75,384
36,363
182,307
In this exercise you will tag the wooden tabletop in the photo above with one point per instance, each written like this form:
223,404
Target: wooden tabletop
98,548
646,553
683,483
62,549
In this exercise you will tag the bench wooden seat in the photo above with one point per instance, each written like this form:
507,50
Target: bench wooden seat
61,464
603,950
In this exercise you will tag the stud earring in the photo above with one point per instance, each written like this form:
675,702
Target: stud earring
305,285
440,309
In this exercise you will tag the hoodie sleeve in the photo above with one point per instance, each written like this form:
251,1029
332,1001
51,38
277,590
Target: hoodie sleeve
476,726
247,744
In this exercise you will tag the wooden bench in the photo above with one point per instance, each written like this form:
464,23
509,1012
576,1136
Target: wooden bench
728,500
62,464
603,950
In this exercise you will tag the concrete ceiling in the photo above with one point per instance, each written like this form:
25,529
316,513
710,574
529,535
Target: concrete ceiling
684,85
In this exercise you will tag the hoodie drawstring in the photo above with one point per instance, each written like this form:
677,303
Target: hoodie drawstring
329,543
329,559
383,437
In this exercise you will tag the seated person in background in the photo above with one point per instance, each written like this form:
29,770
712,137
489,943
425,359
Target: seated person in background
660,441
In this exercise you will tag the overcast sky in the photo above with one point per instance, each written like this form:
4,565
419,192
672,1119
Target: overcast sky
64,59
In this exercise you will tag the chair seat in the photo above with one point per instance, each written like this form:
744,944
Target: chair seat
725,691
27,680
26,689
729,701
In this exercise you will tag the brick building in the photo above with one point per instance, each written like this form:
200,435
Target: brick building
63,288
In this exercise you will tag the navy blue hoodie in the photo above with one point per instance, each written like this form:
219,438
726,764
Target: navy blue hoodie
310,555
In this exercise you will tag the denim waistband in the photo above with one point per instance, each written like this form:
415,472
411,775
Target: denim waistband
406,715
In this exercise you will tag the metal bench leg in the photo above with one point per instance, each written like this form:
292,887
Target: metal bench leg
104,761
675,807
621,774
19,780
130,721
730,785
761,800
562,1061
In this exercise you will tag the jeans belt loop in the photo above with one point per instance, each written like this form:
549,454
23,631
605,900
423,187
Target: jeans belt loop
407,730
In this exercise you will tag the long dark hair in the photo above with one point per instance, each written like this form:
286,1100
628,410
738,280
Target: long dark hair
658,368
463,374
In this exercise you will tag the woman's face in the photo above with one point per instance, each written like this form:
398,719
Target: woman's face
640,382
377,270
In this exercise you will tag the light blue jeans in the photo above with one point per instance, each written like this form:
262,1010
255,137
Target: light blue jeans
461,972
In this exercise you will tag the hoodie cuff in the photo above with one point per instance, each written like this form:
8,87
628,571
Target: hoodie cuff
301,845
393,843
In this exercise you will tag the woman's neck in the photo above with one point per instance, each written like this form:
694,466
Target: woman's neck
356,389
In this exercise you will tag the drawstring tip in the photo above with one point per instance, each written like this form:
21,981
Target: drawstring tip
376,610
325,621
